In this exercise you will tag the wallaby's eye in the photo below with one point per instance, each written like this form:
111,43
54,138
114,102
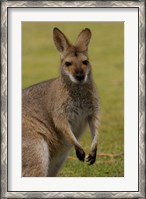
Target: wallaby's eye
85,62
67,63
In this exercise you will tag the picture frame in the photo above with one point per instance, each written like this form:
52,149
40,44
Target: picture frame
6,110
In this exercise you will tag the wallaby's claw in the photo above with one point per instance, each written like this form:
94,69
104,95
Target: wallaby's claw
80,154
91,158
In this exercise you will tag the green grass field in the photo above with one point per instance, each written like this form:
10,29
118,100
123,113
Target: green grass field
40,61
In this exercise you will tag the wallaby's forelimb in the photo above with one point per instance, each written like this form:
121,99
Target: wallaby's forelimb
70,137
93,124
72,140
80,153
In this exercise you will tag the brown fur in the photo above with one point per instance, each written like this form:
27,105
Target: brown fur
56,112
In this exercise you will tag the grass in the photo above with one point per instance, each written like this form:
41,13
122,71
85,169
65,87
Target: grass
40,61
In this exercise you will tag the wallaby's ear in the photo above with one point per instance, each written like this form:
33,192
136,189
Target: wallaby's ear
83,40
60,40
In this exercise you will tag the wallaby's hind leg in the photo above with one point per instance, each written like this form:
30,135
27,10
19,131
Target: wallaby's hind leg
35,156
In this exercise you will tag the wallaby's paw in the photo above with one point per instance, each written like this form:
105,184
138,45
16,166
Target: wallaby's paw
80,154
91,157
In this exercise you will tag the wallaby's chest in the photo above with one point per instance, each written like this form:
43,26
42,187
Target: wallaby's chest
79,108
80,103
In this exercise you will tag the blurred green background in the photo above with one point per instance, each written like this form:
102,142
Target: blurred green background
40,61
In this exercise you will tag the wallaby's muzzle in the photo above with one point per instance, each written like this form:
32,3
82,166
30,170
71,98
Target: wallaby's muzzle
79,75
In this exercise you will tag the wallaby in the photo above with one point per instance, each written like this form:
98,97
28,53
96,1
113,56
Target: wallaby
56,112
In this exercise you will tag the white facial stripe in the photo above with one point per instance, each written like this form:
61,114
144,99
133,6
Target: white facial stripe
86,75
71,77
85,79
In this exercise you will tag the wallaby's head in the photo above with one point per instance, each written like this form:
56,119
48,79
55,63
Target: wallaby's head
74,58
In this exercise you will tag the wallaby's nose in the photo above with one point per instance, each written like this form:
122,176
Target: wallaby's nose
79,75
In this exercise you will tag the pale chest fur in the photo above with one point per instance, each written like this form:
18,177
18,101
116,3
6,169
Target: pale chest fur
79,107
